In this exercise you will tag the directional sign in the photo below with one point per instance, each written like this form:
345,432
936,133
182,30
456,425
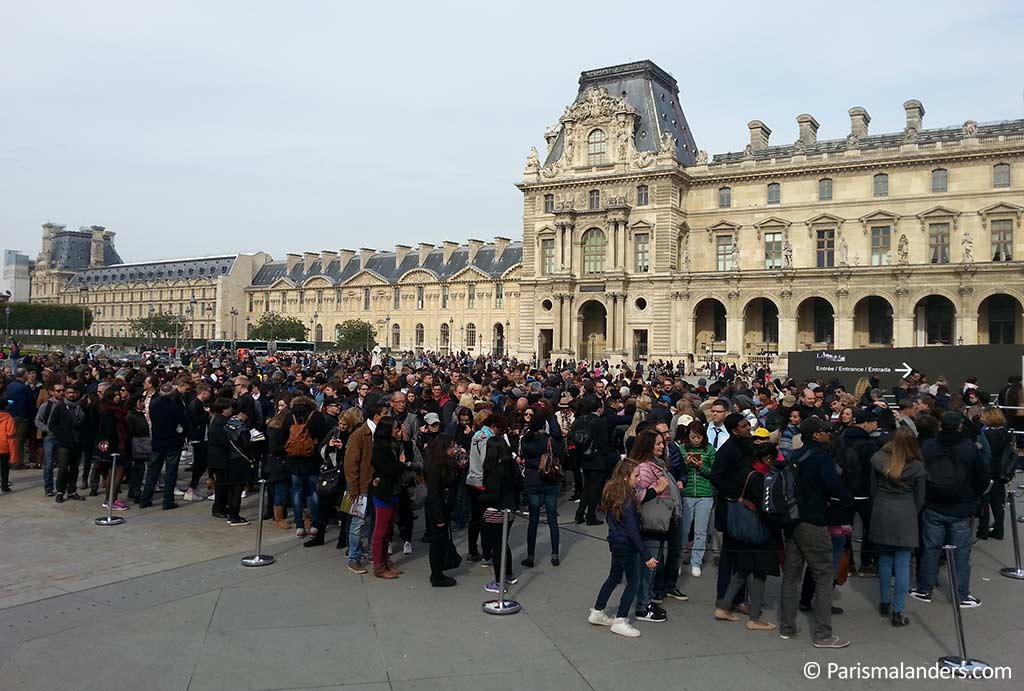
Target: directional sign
991,364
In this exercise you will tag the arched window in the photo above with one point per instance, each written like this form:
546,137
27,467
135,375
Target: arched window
396,336
1001,175
470,335
595,199
774,193
597,148
594,246
725,198
319,331
825,189
446,337
881,185
419,335
940,180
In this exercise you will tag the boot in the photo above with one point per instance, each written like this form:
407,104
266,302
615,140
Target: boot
279,519
268,512
308,524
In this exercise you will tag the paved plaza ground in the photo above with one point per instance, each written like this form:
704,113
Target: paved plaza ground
161,602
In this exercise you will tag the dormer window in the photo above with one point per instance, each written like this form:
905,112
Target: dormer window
597,148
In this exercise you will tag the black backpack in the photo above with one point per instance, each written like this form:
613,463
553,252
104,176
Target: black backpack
780,504
948,477
851,470
581,440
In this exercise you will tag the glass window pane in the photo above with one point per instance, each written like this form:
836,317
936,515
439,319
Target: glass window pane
825,246
725,198
881,185
1002,240
642,251
597,148
940,180
641,195
773,250
593,251
774,193
1001,175
825,189
547,255
723,252
938,243
880,244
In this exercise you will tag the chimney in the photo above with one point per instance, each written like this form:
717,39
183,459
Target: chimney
365,255
96,246
425,249
859,121
808,128
500,245
401,252
49,230
915,114
308,258
759,134
344,257
291,261
449,248
327,257
474,247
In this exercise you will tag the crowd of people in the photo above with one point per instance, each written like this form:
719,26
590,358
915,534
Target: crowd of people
757,475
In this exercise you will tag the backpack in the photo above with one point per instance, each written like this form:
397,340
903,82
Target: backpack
851,470
299,443
581,440
948,477
780,504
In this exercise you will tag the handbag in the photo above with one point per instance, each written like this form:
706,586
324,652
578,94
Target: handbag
418,493
550,469
142,448
330,481
743,523
656,515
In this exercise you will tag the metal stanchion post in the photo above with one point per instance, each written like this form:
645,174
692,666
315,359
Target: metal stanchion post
502,605
1015,571
963,664
110,518
259,559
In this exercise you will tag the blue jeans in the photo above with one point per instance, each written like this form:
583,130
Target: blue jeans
937,530
624,563
49,458
889,558
697,512
282,488
360,527
304,486
644,575
168,460
548,494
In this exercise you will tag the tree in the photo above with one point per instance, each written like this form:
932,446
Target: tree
355,334
27,316
157,325
272,326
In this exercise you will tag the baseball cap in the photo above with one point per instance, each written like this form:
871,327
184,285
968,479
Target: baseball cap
432,419
862,415
761,432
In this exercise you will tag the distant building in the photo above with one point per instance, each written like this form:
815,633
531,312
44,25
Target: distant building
15,281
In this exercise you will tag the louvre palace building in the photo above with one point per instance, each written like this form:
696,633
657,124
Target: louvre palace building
636,243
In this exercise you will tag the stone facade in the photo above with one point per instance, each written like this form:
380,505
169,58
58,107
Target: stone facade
638,244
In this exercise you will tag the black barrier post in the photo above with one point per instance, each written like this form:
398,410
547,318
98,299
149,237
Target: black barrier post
110,518
1015,571
259,559
502,605
964,665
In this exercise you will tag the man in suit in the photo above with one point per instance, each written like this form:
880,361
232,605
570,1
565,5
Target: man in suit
358,475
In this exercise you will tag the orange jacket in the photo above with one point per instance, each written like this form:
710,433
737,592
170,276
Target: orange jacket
7,445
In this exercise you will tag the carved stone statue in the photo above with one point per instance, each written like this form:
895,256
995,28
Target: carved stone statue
736,255
787,255
702,158
533,161
903,250
967,249
685,242
844,252
568,143
668,144
970,129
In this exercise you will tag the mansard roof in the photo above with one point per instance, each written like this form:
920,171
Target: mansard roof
71,250
157,271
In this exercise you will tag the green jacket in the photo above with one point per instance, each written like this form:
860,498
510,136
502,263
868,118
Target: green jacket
698,482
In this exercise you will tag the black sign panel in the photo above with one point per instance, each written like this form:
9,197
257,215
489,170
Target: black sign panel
991,364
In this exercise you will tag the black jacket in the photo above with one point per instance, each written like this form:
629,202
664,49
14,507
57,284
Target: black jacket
198,420
218,447
502,485
817,481
167,416
976,471
531,448
865,447
599,434
387,469
65,424
442,490
733,462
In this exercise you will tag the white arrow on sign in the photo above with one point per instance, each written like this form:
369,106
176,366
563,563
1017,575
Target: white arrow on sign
905,370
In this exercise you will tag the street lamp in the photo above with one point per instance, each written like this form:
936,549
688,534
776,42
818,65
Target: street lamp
152,331
505,337
82,292
192,320
7,313
312,328
247,326
234,333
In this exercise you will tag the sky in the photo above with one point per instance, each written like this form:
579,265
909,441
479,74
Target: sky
199,128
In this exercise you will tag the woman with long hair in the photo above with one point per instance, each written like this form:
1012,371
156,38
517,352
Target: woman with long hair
698,494
536,448
278,478
441,472
993,507
897,489
643,409
388,465
652,483
502,485
619,503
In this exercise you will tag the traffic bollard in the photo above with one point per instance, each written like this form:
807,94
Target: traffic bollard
966,666
110,518
1015,571
259,559
502,605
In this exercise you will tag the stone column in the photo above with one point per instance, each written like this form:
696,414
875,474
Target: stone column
733,326
612,321
557,339
787,334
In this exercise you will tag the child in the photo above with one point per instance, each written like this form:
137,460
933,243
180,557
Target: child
618,501
7,446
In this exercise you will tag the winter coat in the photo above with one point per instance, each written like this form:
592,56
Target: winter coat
531,448
358,457
387,471
896,505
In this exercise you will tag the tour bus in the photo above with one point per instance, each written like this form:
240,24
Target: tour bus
259,347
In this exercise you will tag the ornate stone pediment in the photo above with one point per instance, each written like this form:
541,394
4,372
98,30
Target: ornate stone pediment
365,278
1001,209
938,213
594,104
772,223
881,216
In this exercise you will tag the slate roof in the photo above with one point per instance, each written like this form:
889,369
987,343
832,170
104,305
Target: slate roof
383,264
874,141
70,250
156,271
654,93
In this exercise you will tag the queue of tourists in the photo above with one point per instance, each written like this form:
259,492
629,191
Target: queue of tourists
745,474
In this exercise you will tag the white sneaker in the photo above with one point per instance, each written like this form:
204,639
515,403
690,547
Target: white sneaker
192,495
211,497
407,548
179,492
245,493
695,571
598,617
622,627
